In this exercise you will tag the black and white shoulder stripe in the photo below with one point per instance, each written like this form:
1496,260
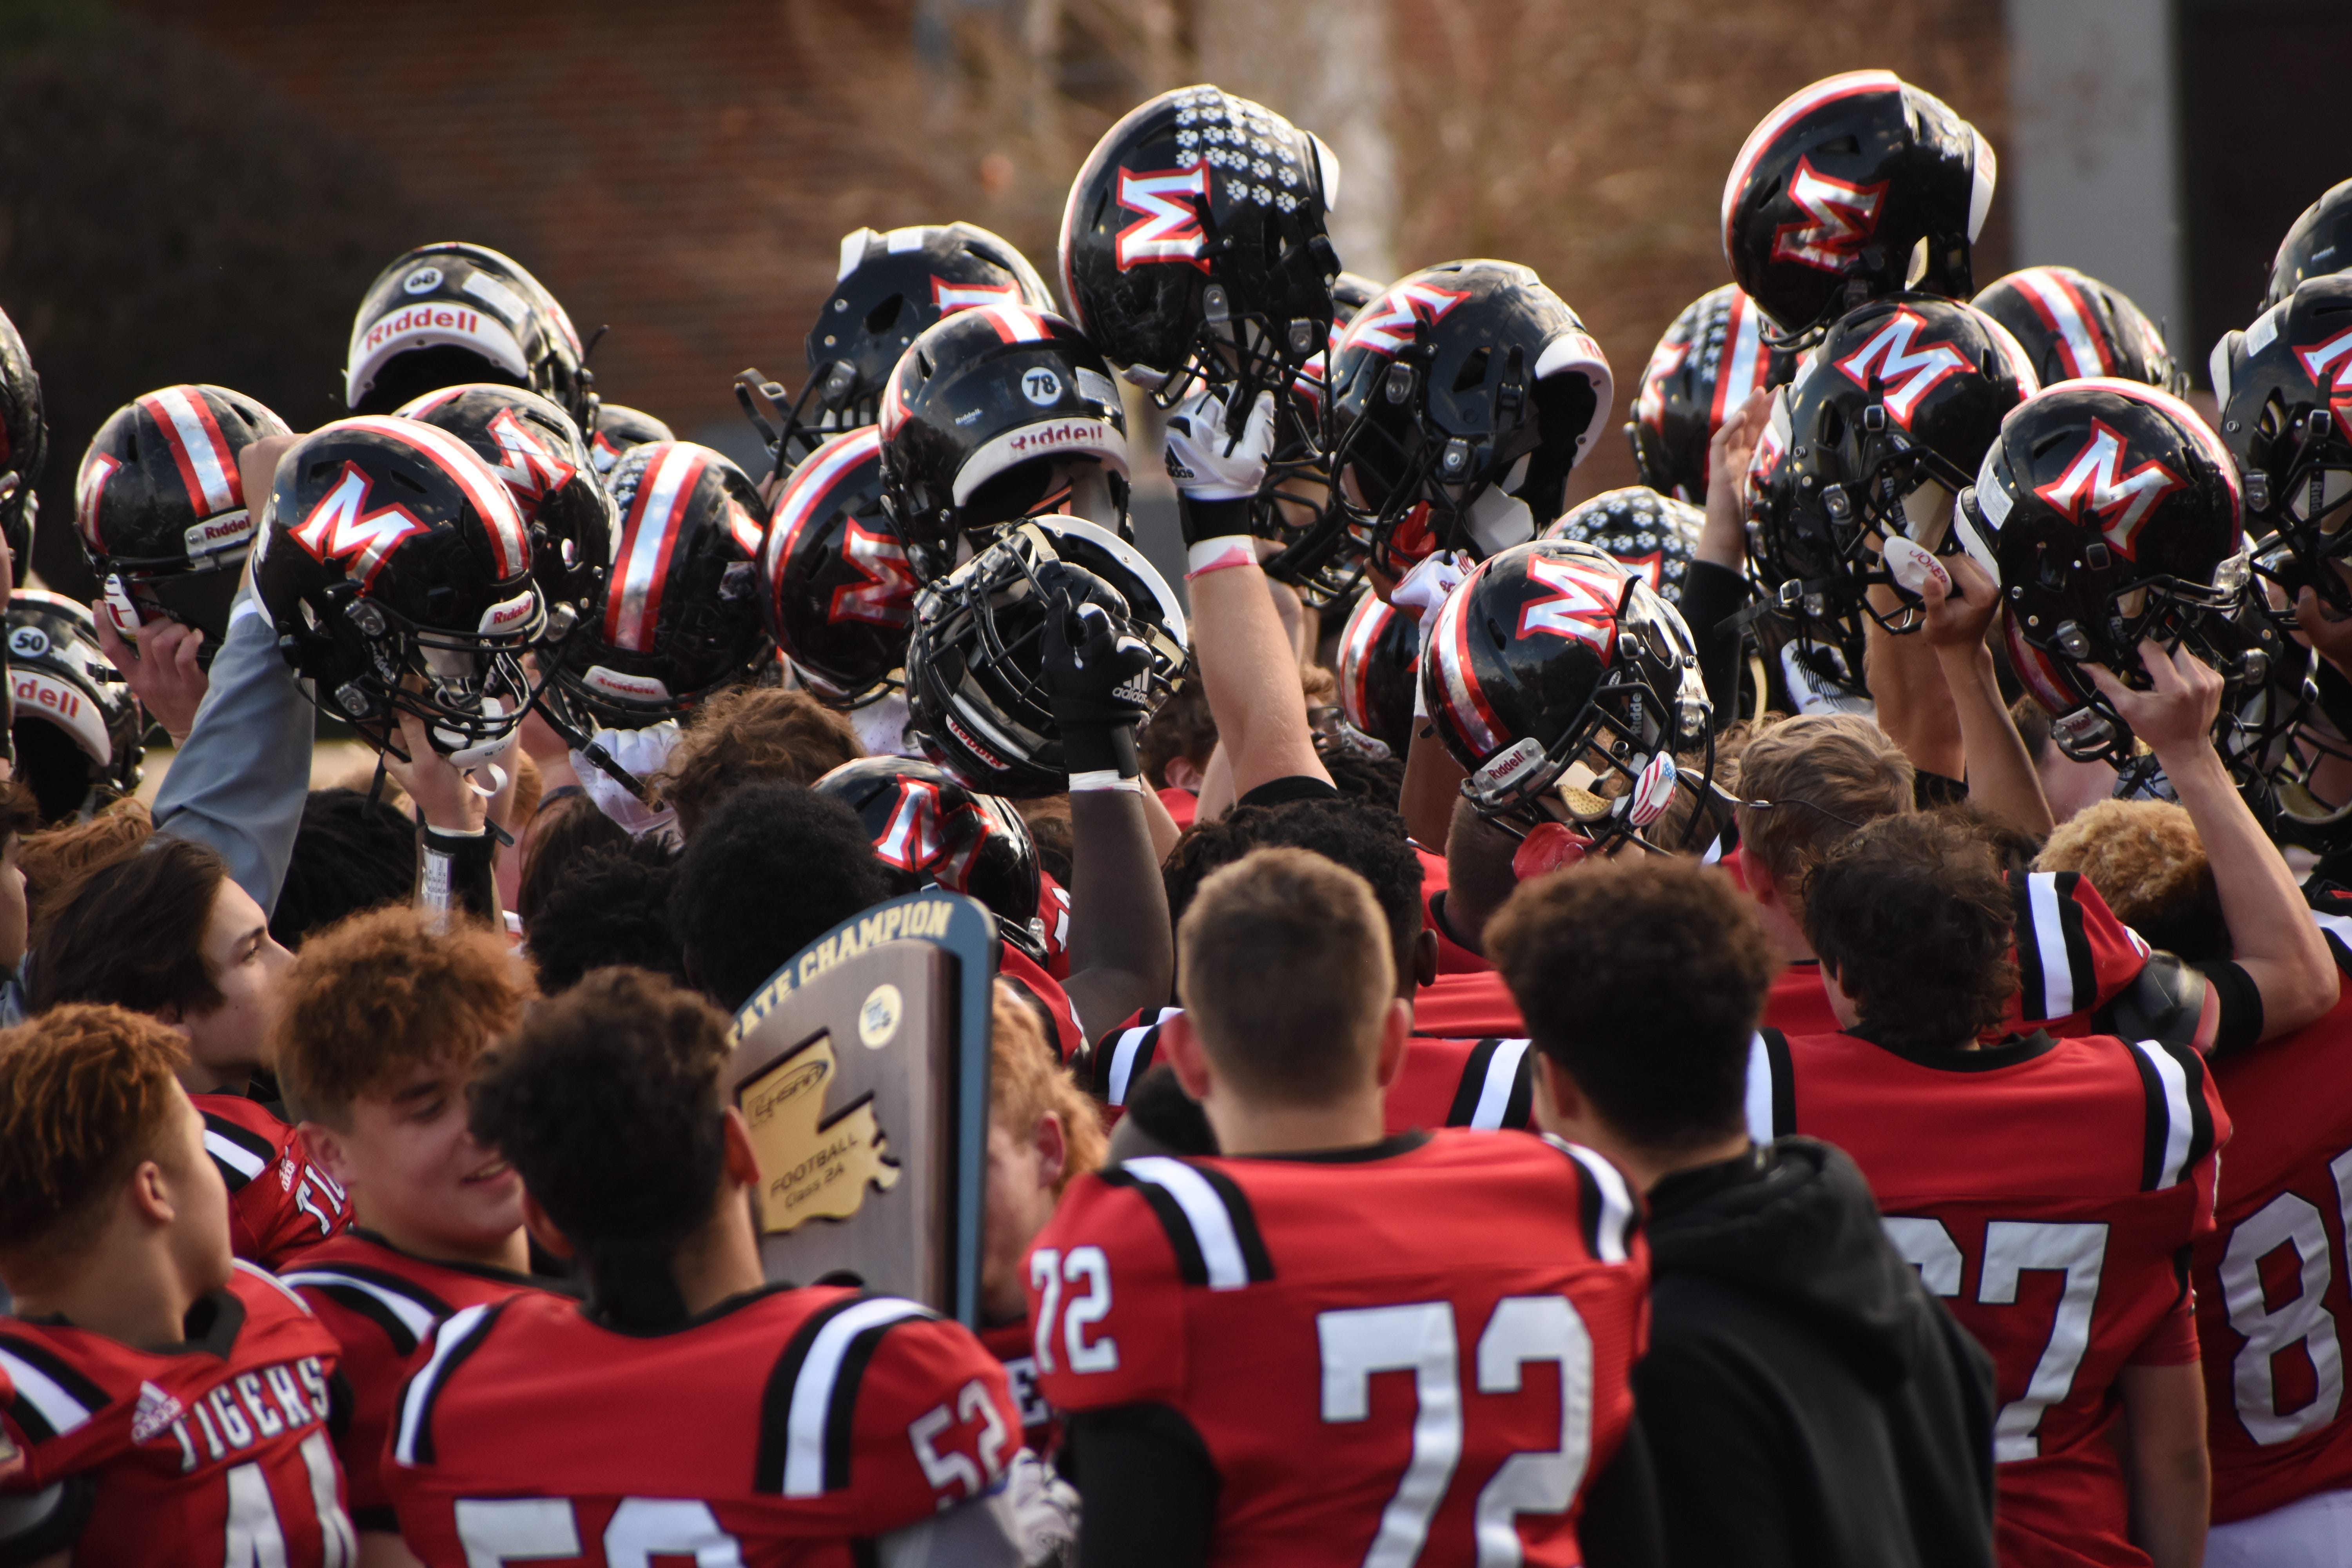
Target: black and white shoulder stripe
2179,1125
1207,1217
460,1336
402,1308
51,1398
1606,1208
1122,1059
2057,977
240,1152
1498,1088
1772,1098
808,1412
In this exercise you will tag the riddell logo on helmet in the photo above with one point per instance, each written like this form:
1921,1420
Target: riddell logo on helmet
635,687
986,757
508,615
1044,438
1841,218
423,319
221,533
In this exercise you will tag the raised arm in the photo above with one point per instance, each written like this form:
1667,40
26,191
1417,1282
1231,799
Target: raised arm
1999,770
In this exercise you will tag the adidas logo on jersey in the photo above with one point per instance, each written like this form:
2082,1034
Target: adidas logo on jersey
155,1414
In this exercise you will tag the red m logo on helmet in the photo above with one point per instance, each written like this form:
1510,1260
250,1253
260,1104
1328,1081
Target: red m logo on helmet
1841,217
1582,605
530,470
1906,369
2092,483
887,597
1170,229
340,525
1386,325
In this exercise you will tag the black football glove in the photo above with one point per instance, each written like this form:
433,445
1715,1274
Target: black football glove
1096,672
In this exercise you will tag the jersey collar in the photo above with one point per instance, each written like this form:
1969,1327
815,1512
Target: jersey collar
2010,1052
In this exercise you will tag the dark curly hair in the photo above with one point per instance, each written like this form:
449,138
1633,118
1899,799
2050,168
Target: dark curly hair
774,868
749,735
607,906
349,854
1363,835
607,1102
1914,919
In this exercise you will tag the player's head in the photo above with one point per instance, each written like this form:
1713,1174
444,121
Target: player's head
165,930
1641,981
607,1102
2147,862
1912,920
753,733
1287,974
352,853
1042,1131
101,1149
607,905
775,867
1809,781
380,1024
19,814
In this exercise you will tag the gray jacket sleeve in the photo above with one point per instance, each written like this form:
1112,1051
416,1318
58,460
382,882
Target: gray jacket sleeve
239,783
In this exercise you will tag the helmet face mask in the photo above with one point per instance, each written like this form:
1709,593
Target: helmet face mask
2285,402
79,732
23,442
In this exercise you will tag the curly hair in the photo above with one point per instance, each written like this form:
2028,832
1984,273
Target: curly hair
1358,834
2146,860
752,733
571,827
608,906
349,854
85,1094
369,1002
131,932
1027,1080
1642,978
1912,917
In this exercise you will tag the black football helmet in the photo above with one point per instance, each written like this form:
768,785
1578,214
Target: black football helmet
2287,403
450,314
24,444
1460,400
934,832
78,729
679,616
2073,326
536,448
160,505
1564,687
999,413
2318,243
1713,358
2108,513
398,574
1380,660
840,595
1193,244
618,428
975,669
1885,422
1860,185
1656,535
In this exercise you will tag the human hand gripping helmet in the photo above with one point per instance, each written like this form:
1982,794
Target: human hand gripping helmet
1462,398
2318,243
679,614
998,413
1656,535
24,444
975,678
450,314
77,730
1380,660
2073,326
618,428
160,507
397,573
1885,422
2108,513
1712,360
840,595
1564,687
1193,244
934,832
1861,186
534,446
2286,389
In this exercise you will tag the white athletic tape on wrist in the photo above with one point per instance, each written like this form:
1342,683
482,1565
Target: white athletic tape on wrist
1104,778
1217,554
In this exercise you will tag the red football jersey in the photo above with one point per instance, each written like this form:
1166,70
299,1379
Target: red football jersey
381,1304
1465,1006
1009,1343
778,1429
2273,1302
1453,958
278,1203
1053,914
2046,1188
213,1451
1402,1348
1797,1003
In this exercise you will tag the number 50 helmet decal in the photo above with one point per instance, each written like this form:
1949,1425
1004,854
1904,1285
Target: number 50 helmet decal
78,729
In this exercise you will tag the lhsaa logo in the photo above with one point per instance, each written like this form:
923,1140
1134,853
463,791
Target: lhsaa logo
424,281
28,642
1041,386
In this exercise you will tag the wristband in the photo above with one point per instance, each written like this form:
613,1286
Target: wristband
1106,779
1100,747
456,872
1203,521
1218,554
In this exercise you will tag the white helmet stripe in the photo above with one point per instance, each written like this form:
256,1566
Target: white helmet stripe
2056,303
509,545
1828,89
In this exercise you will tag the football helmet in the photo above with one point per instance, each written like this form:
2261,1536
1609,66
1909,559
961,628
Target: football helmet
397,572
679,614
996,414
1885,422
1712,360
536,448
78,729
2108,513
160,505
448,314
840,595
2318,244
1656,535
2073,326
1193,244
618,428
1858,186
1564,687
1461,398
975,684
1379,660
2286,402
24,444
934,832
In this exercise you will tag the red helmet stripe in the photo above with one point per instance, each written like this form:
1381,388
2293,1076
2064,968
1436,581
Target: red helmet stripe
89,494
803,497
665,491
207,468
1829,89
1459,675
1356,644
493,502
2062,312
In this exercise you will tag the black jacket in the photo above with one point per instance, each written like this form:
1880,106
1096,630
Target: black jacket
1806,1401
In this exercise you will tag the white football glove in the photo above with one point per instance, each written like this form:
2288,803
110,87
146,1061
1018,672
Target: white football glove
1209,465
1425,588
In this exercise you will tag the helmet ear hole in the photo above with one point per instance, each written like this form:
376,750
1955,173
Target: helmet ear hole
884,316
1473,374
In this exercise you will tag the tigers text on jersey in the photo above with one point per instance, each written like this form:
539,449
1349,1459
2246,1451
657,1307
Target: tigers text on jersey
279,1202
1408,1345
381,1304
1009,1343
2047,1189
215,1451
780,1428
